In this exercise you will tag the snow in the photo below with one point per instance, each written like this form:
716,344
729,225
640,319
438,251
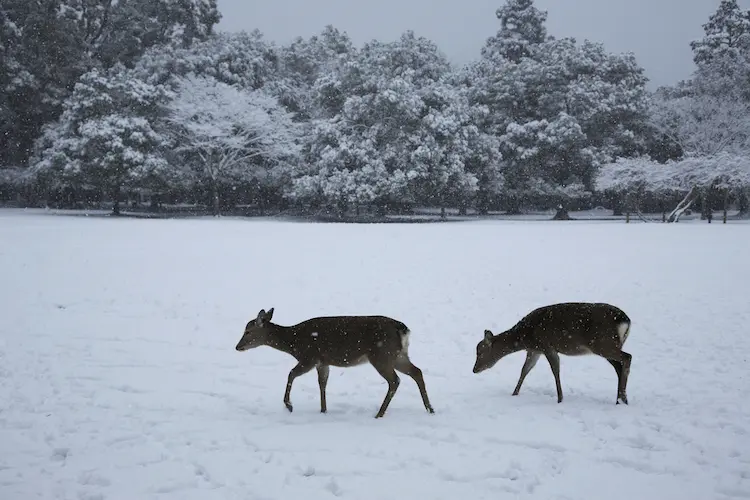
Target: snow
119,378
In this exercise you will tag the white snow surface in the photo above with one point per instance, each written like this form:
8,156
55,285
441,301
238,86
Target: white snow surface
119,378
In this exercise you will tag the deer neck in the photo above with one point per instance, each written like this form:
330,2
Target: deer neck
509,342
282,338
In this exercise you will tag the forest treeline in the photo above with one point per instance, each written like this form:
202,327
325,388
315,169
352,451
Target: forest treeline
123,100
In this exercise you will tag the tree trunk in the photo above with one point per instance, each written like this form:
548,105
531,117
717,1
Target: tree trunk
627,208
442,212
116,200
216,208
744,203
616,205
483,202
726,203
514,205
562,213
688,200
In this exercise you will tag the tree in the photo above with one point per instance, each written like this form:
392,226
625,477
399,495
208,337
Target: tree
542,155
727,34
393,127
48,45
235,135
243,59
692,175
105,137
722,56
703,124
371,109
522,27
41,60
303,62
560,108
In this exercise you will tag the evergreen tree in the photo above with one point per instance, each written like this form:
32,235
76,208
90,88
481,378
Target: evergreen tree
48,45
104,137
522,27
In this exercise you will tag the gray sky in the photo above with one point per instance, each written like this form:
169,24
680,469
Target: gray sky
657,31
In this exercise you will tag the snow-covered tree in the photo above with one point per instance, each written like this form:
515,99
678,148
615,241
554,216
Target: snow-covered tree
543,153
393,129
303,62
703,124
727,33
39,63
560,108
105,137
119,31
232,135
693,174
243,59
47,45
722,56
522,26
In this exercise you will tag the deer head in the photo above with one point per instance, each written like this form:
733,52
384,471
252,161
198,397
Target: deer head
492,348
256,331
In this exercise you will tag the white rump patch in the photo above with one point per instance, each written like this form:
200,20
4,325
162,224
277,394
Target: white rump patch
405,342
623,329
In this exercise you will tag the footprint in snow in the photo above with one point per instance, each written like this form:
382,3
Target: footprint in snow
334,487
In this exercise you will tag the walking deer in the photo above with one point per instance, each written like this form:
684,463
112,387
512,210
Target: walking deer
341,341
572,329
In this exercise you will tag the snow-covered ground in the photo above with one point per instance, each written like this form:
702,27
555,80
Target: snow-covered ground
119,378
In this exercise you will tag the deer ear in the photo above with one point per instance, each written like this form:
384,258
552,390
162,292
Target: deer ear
261,317
268,315
487,336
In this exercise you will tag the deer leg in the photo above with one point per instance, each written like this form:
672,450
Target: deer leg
618,368
622,393
531,359
620,360
405,366
386,371
554,363
298,370
322,382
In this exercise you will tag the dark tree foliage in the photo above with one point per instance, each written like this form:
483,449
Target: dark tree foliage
48,44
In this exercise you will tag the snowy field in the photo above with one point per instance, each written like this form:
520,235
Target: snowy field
119,378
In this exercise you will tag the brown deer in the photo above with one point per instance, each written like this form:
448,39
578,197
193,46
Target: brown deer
342,341
572,329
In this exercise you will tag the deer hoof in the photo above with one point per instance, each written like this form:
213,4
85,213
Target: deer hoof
515,393
288,406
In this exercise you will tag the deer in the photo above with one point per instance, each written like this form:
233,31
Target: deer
569,328
342,341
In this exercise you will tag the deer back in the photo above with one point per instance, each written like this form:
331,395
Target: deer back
347,340
574,328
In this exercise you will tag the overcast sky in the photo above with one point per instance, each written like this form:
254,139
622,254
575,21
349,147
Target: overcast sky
657,31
